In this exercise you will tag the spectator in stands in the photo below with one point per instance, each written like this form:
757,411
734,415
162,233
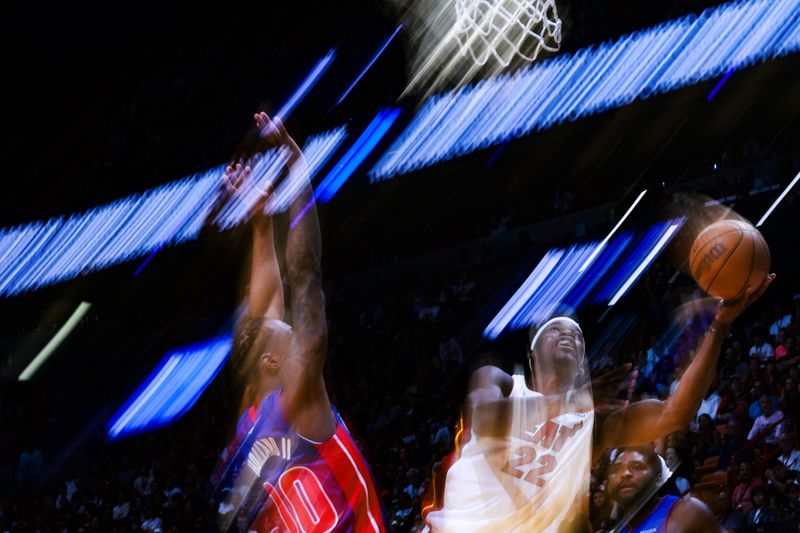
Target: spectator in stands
601,510
789,511
761,514
742,498
30,471
755,394
789,455
769,423
710,405
707,440
783,319
787,346
761,349
735,446
777,476
728,517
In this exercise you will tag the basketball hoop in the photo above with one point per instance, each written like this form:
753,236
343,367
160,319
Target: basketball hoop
507,28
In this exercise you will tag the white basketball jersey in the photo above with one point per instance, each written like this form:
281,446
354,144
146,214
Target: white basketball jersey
532,481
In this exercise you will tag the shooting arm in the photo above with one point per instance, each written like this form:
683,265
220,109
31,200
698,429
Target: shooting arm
644,421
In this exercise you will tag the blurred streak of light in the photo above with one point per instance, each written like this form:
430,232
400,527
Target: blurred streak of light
567,87
665,238
641,247
719,85
515,303
612,232
311,80
55,342
778,200
369,65
172,387
600,267
555,288
361,148
556,280
43,253
144,263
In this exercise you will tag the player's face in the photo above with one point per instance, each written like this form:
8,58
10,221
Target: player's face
628,477
560,343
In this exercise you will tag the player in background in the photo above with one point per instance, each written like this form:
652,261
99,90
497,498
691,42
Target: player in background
526,464
292,465
632,481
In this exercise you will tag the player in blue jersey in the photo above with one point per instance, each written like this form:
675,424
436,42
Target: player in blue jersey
291,465
634,478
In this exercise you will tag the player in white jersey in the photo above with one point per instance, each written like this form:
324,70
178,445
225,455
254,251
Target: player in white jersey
526,465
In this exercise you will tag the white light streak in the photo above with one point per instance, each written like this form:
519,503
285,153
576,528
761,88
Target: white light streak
611,233
55,342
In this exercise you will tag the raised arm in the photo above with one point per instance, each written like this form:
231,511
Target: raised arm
647,420
265,289
304,398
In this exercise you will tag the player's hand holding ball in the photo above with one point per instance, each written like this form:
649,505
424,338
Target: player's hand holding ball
730,260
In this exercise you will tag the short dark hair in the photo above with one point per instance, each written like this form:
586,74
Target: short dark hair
244,338
650,454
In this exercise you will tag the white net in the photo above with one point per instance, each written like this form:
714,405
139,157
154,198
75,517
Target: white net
504,29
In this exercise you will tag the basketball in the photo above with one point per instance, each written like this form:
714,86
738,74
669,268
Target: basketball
727,256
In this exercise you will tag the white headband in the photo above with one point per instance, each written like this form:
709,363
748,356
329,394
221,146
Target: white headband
544,326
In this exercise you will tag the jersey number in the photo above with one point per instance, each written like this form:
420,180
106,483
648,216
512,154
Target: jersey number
302,503
527,455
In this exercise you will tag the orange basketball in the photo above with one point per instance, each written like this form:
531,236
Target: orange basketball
728,256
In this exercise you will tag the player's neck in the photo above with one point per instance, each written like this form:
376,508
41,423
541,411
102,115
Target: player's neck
268,384
644,512
553,384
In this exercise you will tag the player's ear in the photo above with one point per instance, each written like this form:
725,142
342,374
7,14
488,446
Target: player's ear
268,362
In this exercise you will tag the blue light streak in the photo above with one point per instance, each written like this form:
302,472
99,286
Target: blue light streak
356,154
172,388
369,65
559,279
719,85
567,87
311,80
42,253
655,248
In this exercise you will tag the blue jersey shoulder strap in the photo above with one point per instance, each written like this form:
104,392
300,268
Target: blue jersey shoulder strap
656,521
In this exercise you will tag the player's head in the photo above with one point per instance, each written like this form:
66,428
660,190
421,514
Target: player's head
260,346
557,345
635,471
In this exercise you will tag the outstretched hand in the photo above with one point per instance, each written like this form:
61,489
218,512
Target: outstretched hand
274,133
234,180
729,310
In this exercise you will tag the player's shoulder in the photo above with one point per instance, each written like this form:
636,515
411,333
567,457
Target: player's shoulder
491,376
689,515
